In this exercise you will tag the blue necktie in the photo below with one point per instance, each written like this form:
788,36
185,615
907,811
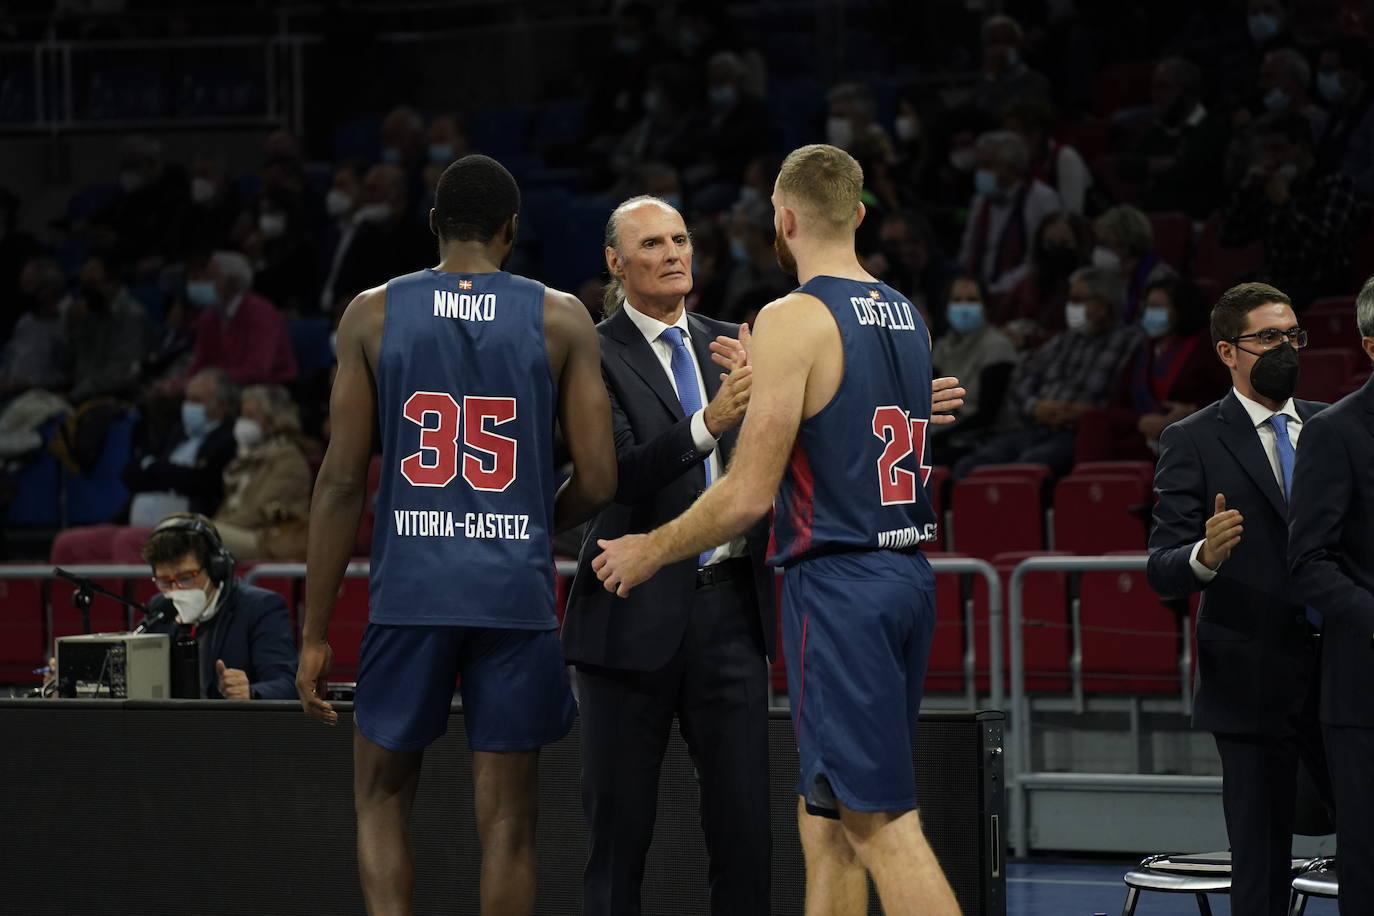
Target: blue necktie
688,394
1287,458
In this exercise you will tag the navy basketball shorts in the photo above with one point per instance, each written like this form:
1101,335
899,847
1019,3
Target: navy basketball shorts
857,630
514,685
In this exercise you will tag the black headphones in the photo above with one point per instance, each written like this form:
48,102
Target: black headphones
220,562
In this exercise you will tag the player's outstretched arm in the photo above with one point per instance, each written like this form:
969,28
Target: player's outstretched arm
789,333
584,410
340,490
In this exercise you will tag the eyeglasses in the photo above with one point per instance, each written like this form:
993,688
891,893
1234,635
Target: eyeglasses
1271,337
180,580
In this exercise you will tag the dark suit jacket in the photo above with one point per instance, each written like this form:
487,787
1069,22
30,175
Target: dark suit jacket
661,474
1251,628
202,483
1331,550
252,632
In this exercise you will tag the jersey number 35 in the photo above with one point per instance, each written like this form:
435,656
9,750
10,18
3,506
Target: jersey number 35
489,462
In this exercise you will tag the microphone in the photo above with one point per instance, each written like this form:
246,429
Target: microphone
167,612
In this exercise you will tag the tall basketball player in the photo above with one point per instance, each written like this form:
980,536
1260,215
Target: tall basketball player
842,398
464,368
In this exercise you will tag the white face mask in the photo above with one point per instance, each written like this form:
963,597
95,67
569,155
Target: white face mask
908,127
1076,316
839,132
374,213
963,160
271,225
202,190
338,202
1106,259
191,603
247,433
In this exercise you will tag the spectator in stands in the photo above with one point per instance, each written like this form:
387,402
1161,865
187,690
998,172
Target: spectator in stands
246,641
404,143
711,262
1034,309
107,333
616,98
388,241
237,331
267,486
149,220
214,206
1064,379
33,355
912,147
982,358
1173,373
1343,81
670,130
276,241
1285,87
341,206
661,180
448,142
947,184
910,260
16,248
283,166
1126,244
1005,211
1178,160
755,264
738,125
1305,218
851,120
187,475
1056,164
1006,77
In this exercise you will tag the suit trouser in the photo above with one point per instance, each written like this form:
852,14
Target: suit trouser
1258,786
717,686
1350,756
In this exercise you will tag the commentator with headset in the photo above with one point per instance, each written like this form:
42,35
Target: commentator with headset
247,650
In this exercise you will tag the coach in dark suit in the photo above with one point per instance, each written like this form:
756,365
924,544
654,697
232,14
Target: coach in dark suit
1221,527
1331,549
694,640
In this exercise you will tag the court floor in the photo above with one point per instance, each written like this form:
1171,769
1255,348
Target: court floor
1056,889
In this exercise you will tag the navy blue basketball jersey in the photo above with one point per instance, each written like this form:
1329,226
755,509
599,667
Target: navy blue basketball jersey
857,476
465,396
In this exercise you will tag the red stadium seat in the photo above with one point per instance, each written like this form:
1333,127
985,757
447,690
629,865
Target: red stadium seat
1099,512
1045,617
1121,86
1208,289
1145,470
1330,323
362,545
1035,472
945,669
1090,136
22,642
1325,373
1173,237
1131,641
1224,264
993,515
347,626
938,487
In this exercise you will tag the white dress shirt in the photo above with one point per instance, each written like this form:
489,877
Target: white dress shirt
1259,416
653,329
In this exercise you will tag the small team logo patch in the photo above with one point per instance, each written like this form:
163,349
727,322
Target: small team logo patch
465,284
874,294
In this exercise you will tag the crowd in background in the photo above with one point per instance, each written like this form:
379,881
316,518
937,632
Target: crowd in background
1011,208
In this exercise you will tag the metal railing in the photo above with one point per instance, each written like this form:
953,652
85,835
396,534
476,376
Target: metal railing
1020,774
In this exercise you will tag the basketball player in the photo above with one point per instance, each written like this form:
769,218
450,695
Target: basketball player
841,401
465,368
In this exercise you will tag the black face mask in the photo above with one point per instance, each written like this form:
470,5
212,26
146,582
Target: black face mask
1058,261
1275,373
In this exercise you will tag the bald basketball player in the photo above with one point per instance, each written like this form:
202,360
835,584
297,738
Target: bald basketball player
836,428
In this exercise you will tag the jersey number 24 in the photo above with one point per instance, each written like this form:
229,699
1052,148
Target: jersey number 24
905,435
491,469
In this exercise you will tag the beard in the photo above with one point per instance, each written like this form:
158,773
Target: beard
786,261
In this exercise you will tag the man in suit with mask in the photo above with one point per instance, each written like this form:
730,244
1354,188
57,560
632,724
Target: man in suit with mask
1331,552
1221,527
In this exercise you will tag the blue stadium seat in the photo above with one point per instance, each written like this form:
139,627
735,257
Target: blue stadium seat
500,132
310,343
360,138
152,296
556,125
97,496
36,503
91,199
